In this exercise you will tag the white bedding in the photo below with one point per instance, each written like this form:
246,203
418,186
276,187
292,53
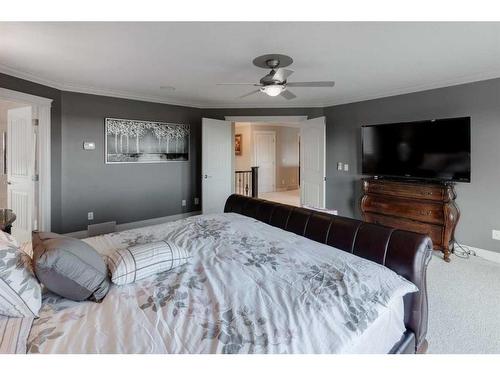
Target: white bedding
248,288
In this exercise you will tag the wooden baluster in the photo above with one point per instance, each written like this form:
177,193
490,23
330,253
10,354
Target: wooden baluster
246,184
255,182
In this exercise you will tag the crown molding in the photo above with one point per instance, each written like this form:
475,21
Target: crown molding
231,105
92,90
419,88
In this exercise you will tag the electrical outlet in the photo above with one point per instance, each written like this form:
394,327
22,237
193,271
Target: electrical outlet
183,203
340,166
90,215
495,234
282,182
196,200
346,167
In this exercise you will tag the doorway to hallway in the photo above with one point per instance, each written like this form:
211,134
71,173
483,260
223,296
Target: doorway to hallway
274,148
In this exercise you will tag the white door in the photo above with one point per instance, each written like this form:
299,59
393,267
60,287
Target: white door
312,162
216,164
21,170
265,158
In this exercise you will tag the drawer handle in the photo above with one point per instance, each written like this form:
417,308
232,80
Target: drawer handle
427,192
428,213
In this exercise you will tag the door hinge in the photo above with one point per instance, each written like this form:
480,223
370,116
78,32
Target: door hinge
324,178
35,178
35,122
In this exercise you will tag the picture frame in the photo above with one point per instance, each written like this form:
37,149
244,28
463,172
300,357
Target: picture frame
138,141
238,139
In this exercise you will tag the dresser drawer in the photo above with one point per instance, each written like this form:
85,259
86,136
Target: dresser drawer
405,190
427,212
435,232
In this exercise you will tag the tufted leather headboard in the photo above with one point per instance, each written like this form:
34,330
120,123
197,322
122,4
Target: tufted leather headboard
406,253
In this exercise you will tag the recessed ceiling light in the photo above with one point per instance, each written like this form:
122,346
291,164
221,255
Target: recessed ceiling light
168,88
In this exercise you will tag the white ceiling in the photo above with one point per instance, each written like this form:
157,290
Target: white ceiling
367,60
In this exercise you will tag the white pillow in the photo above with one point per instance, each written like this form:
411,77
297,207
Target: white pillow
8,239
141,261
20,291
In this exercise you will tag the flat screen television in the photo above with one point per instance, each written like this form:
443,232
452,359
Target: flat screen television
432,149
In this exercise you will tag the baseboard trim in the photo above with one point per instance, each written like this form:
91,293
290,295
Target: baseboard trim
139,224
492,256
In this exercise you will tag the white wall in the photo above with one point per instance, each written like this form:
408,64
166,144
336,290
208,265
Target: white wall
243,162
287,152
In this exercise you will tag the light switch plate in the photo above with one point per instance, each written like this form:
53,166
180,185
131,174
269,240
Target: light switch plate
90,215
89,146
196,200
495,234
340,166
346,167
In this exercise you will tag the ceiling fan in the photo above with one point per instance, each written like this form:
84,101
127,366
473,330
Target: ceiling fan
276,81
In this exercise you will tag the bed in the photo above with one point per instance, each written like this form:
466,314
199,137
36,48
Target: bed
262,278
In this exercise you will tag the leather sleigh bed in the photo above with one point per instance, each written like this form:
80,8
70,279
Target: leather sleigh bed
406,253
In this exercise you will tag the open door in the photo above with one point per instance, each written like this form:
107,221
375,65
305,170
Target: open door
312,162
216,164
21,170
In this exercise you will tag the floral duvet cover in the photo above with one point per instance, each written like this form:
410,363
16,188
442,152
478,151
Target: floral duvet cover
248,288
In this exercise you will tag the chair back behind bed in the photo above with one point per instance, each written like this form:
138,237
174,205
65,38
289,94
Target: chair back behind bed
406,253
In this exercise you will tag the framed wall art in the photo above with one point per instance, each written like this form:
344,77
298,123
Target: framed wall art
135,141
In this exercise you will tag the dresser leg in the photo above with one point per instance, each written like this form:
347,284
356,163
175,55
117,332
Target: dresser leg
446,255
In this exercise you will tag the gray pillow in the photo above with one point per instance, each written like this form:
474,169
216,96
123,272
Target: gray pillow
69,267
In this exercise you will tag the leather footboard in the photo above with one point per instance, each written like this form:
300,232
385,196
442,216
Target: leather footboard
406,253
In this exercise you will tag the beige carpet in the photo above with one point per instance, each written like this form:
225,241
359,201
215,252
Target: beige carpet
464,306
291,197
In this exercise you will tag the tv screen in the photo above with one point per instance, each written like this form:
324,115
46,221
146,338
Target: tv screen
433,149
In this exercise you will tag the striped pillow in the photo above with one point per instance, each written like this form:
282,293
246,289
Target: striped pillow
141,261
20,291
14,334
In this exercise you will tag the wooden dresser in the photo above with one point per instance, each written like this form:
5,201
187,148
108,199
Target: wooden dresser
419,207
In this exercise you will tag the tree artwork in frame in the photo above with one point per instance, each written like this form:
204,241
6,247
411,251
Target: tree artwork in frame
134,141
237,144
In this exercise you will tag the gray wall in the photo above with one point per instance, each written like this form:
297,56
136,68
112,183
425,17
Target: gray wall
479,201
122,192
13,83
81,182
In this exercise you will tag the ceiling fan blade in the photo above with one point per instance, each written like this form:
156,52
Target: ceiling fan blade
282,74
250,93
311,84
288,95
238,84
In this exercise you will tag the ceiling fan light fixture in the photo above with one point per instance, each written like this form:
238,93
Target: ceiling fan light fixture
273,90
